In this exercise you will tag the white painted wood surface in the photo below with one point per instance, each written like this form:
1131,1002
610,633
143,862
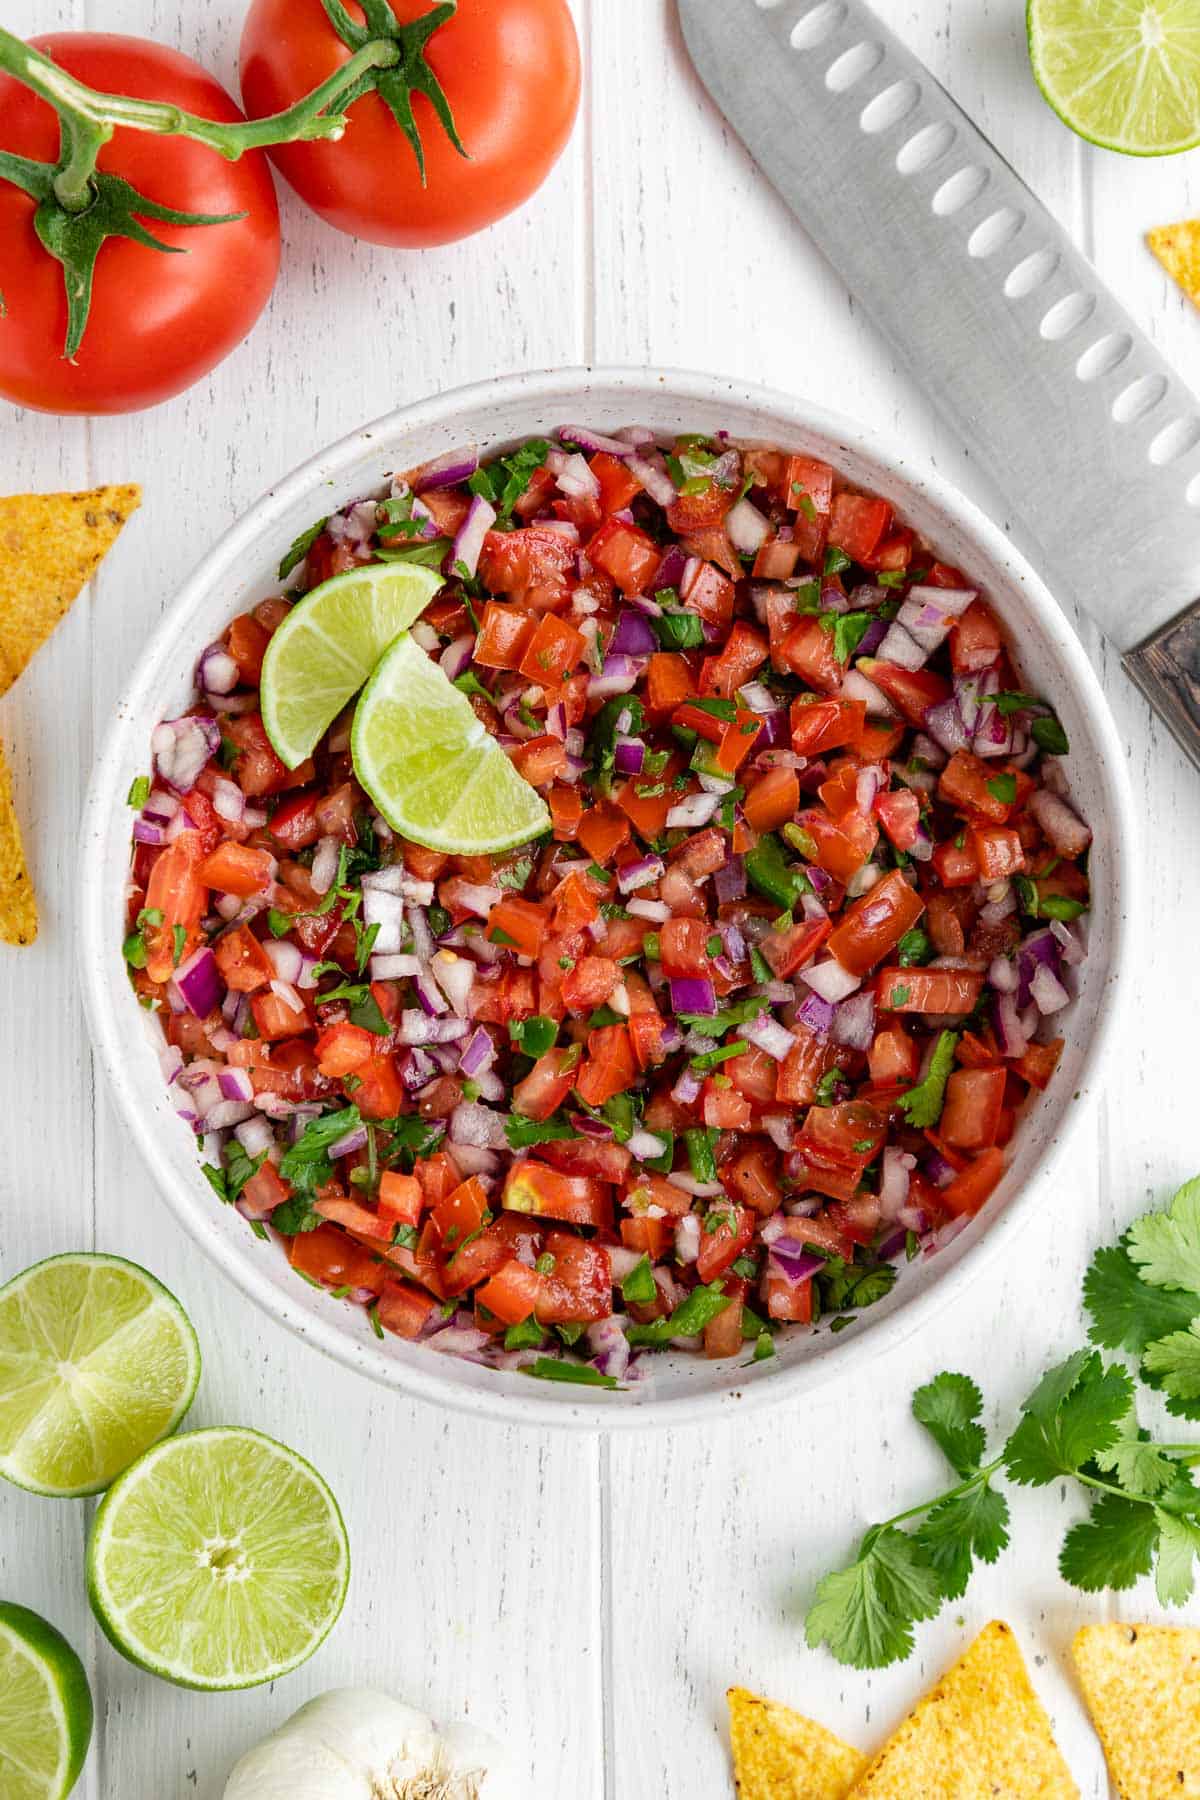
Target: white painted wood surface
589,1600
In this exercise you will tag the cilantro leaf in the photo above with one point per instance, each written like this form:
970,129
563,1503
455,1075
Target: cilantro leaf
1178,1544
849,629
300,547
865,1613
949,1408
1166,1246
961,1528
1073,1414
521,1132
306,1163
1049,736
1127,1313
914,948
1112,1547
923,1104
1175,1359
293,1216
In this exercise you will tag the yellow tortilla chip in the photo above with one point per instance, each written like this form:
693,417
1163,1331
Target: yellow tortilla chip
18,906
980,1734
1177,248
1142,1687
50,546
778,1754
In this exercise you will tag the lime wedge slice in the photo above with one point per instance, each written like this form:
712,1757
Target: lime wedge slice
1124,74
97,1362
328,645
45,1708
219,1560
432,768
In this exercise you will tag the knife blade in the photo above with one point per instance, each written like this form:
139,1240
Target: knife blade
1091,436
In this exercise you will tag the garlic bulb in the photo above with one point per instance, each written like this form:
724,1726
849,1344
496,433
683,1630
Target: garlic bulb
357,1744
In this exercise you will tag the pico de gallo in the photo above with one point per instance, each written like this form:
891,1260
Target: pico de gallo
750,1027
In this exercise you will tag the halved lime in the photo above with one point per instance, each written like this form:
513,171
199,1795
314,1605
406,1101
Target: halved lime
45,1708
219,1560
431,767
328,645
1125,74
97,1362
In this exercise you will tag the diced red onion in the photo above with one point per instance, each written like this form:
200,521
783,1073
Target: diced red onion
693,994
1002,975
830,980
463,554
896,1170
946,726
199,983
593,442
235,1084
216,672
854,1021
618,676
645,1146
632,635
478,1126
478,1054
1049,994
856,686
387,911
729,882
657,911
788,1258
629,754
969,700
746,526
687,1088
395,967
455,659
255,1135
286,958
323,872
758,699
183,748
900,648
430,998
926,622
1072,949
817,1013
285,991
575,478
674,567
691,1184
1011,1038
417,1028
780,1128
695,810
641,873
350,1143
1065,831
769,1035
446,471
651,471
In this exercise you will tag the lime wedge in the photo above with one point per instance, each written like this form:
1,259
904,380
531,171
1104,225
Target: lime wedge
431,767
45,1708
328,645
97,1362
219,1560
1125,74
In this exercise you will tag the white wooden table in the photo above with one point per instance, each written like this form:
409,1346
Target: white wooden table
589,1599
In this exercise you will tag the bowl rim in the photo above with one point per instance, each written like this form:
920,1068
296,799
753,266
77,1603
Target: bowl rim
109,1039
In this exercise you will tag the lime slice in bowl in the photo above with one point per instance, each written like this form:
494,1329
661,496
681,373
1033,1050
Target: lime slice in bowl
432,768
328,645
219,1560
97,1362
45,1708
1124,74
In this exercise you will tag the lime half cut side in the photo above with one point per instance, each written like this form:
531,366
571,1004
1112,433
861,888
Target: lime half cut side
432,768
1125,74
45,1708
329,644
97,1362
219,1560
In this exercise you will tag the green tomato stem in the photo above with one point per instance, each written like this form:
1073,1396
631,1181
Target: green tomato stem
89,118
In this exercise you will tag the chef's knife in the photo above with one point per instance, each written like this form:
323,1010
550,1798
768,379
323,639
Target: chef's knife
1090,435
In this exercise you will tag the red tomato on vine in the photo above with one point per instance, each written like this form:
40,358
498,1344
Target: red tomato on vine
158,322
509,70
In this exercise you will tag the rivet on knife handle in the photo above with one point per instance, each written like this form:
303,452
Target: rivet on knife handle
1088,432
1167,669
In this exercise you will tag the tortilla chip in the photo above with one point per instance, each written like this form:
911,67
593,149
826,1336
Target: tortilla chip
1177,248
18,906
1142,1687
980,1734
778,1754
50,546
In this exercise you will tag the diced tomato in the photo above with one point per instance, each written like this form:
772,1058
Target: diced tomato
265,1190
963,784
380,1092
807,478
893,552
668,681
400,1198
646,1190
900,815
893,1057
875,923
724,1234
343,1048
626,553
878,740
697,511
744,653
808,651
647,803
504,632
512,1292
856,524
256,768
242,962
531,564
353,1216
802,1068
512,1234
459,1214
724,1108
589,984
532,1187
788,950
618,486
237,869
521,923
753,1073
276,1018
652,1236
911,691
773,799
974,1101
603,1158
404,1310
972,1186
683,947
610,1066
752,1178
842,845
820,725
929,990
835,1145
540,760
293,824
710,594
975,642
553,651
723,1335
602,831
998,852
578,1290
566,811
176,891
328,1255
787,1300
247,644
1038,1062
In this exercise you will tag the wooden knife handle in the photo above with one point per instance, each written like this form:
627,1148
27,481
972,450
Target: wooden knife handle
1167,669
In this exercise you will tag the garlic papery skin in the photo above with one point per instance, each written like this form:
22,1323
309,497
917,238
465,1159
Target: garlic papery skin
359,1744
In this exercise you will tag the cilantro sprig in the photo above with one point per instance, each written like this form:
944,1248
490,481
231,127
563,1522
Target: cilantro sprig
1079,1424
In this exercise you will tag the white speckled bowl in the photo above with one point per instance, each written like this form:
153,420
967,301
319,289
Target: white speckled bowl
240,570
